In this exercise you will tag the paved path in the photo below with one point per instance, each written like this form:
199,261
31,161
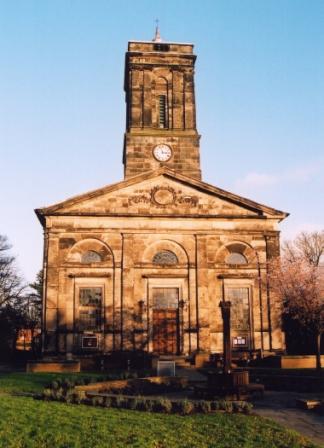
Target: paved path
8,368
192,374
281,407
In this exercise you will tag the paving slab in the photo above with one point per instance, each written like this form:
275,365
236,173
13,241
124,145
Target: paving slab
192,374
281,407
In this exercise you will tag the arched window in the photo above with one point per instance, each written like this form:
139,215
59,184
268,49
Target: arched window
90,257
235,258
165,258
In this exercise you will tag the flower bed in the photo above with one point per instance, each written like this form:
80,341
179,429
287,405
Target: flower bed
149,404
113,394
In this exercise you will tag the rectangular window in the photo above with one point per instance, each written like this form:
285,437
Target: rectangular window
240,308
162,111
90,303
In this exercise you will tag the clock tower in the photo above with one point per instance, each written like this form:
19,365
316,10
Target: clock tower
160,108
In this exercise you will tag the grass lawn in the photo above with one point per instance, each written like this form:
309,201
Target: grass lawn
25,422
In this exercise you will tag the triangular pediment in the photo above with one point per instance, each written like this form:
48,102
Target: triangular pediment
161,192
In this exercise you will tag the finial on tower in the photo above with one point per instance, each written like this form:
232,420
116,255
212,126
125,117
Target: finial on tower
157,37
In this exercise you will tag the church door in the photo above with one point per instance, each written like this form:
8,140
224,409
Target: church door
166,321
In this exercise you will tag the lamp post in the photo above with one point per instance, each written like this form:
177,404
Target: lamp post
182,304
227,350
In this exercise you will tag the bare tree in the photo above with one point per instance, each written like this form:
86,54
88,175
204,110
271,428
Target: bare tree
307,245
11,284
299,279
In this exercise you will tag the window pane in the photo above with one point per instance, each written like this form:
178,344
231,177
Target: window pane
165,257
90,257
90,296
89,320
164,298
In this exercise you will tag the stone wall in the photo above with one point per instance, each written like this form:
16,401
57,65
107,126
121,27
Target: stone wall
126,273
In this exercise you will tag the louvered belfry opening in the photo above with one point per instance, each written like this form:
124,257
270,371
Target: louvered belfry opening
162,111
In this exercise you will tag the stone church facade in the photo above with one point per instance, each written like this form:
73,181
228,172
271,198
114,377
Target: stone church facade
142,265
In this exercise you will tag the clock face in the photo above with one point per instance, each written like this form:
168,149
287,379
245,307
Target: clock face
162,152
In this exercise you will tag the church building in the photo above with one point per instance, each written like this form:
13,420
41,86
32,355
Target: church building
142,265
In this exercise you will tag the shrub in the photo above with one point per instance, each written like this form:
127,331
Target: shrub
221,405
55,385
140,404
69,397
186,407
59,394
118,401
107,402
133,404
228,406
77,397
247,407
204,406
163,405
67,384
148,405
87,400
47,394
236,406
215,406
97,401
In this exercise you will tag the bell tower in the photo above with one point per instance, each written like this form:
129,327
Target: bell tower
160,108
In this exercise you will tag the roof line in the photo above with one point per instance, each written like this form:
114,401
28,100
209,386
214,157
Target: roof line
202,186
163,42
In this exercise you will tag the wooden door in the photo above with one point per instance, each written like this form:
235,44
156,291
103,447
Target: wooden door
165,331
166,321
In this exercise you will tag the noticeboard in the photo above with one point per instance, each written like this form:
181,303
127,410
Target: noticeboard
90,342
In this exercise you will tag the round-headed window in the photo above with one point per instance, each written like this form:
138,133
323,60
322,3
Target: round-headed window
165,258
90,257
235,258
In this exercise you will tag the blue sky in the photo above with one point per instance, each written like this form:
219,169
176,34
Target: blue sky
259,92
